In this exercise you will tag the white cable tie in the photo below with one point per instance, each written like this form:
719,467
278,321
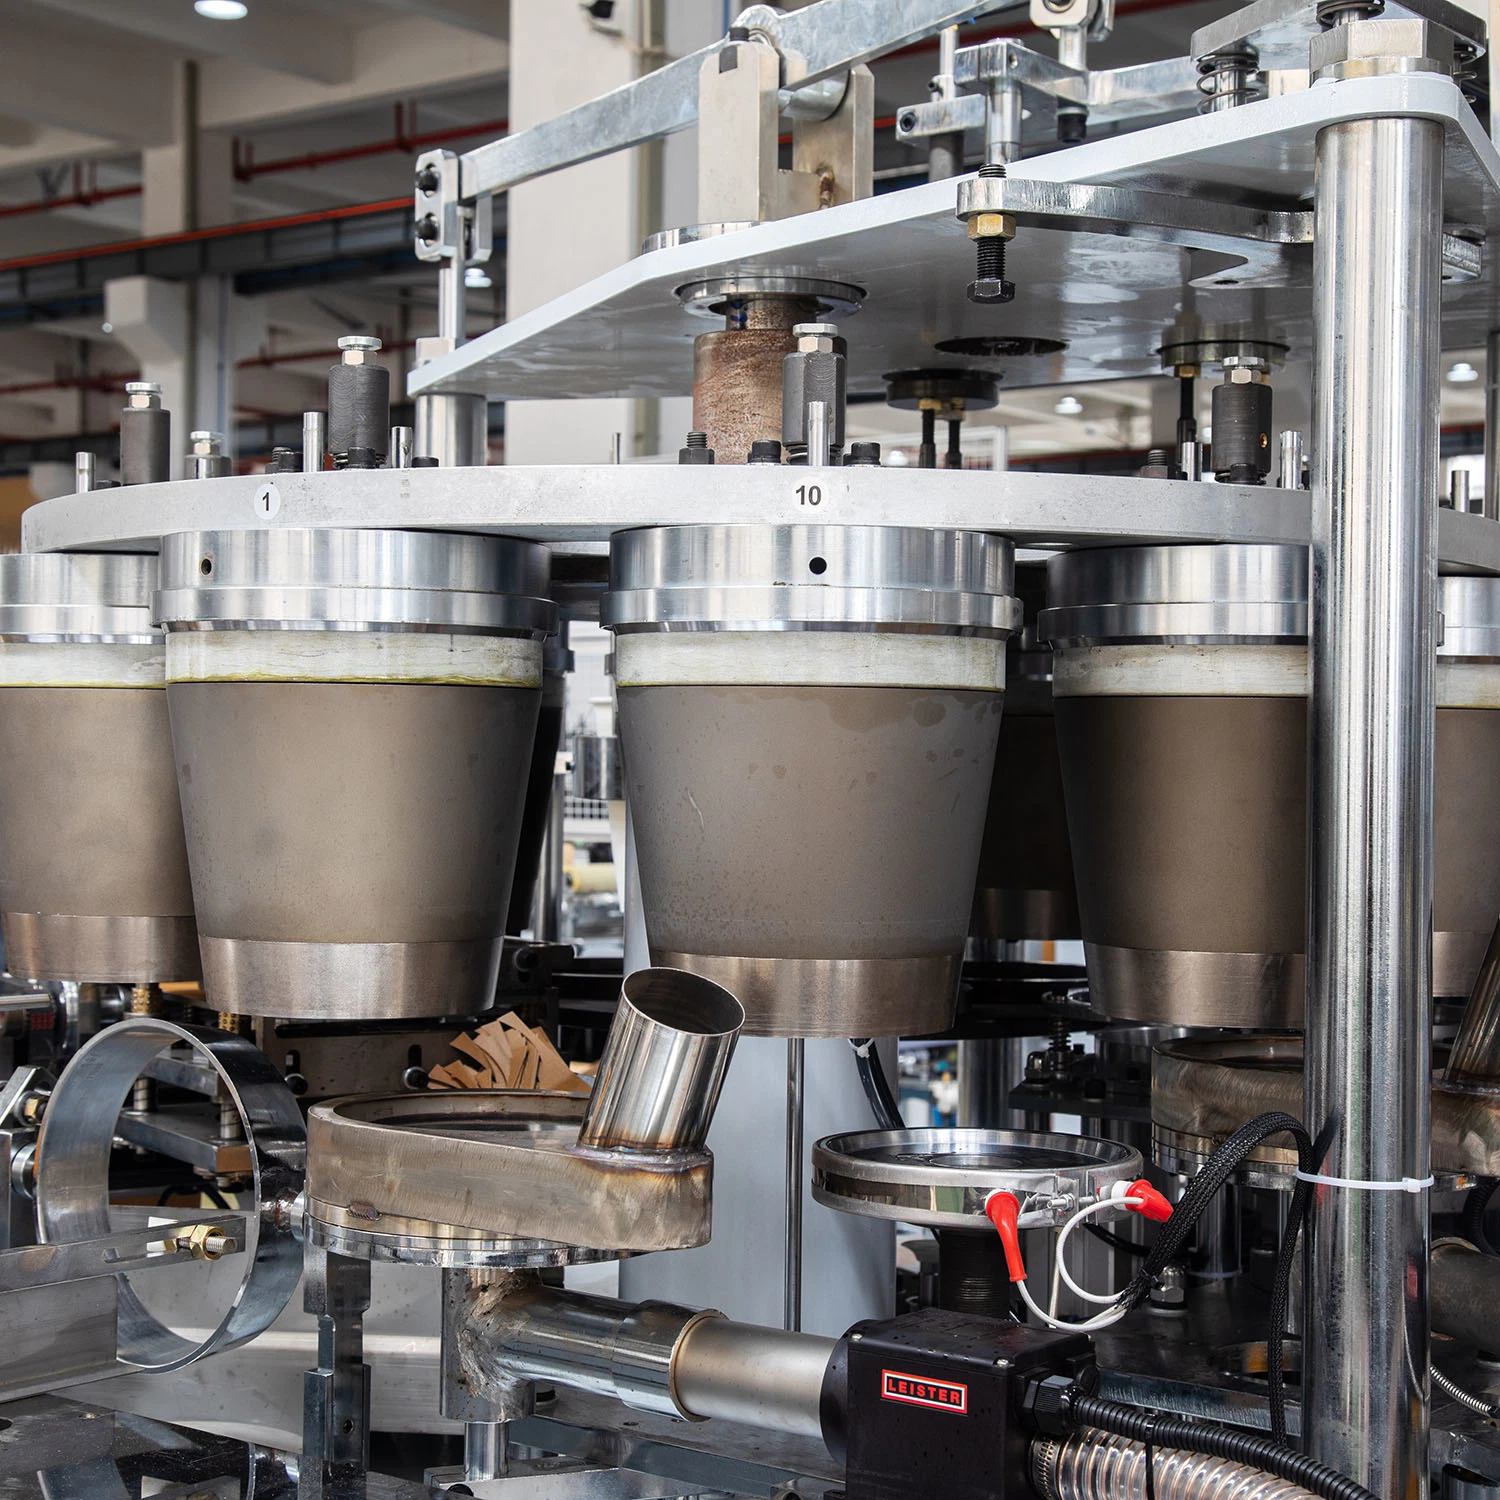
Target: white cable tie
1400,1185
862,1049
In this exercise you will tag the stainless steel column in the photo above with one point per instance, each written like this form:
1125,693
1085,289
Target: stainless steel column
1377,229
791,1318
1492,426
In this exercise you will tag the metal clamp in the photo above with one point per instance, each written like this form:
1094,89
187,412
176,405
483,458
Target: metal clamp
73,1156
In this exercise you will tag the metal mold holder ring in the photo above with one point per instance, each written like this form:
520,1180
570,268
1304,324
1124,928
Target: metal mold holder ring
72,1191
940,1177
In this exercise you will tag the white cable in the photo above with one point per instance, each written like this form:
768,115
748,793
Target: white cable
1102,1320
1069,1227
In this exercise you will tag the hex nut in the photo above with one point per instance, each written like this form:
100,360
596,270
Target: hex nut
990,226
1381,45
204,1242
989,290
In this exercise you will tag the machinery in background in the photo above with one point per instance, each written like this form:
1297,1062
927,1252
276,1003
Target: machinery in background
306,726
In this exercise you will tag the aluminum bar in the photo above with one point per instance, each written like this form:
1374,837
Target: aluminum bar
792,1264
821,40
1377,247
129,1250
1492,426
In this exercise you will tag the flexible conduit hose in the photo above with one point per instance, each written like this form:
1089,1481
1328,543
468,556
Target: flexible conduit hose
1253,1449
1104,1466
1455,1392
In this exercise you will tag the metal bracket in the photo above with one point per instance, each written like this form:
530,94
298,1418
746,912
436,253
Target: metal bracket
1110,95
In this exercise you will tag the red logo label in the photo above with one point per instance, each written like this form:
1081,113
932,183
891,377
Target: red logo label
916,1390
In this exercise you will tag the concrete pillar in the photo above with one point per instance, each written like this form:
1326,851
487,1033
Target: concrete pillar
566,229
188,183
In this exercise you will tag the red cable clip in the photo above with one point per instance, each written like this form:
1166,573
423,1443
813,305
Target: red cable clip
1002,1210
1153,1205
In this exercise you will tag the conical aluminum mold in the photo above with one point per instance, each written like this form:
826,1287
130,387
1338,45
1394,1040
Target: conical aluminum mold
353,715
808,716
93,869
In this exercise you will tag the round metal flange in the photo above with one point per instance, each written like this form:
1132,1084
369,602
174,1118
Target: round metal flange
93,597
734,578
419,1242
940,1177
692,234
713,296
950,393
1213,348
1226,593
1470,608
72,1186
342,579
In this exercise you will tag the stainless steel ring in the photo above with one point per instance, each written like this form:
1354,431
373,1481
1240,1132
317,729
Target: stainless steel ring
345,579
941,1176
1228,593
72,1189
759,577
710,297
78,596
1471,618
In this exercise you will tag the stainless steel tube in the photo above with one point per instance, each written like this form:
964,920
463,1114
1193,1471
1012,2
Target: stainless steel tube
1475,1056
314,441
1492,426
796,1059
1002,124
521,1329
484,1450
763,1377
452,310
1377,232
1465,1294
653,1356
664,1063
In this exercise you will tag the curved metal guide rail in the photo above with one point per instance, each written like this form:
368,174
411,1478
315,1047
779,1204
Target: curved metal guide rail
492,1178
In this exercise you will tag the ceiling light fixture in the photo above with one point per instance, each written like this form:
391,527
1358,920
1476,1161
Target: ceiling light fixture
1068,406
222,10
477,276
1463,373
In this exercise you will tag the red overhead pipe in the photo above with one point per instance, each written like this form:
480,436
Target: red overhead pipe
84,195
104,384
218,232
246,167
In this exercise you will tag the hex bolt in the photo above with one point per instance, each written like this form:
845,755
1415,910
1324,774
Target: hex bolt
427,229
428,180
697,450
764,451
988,231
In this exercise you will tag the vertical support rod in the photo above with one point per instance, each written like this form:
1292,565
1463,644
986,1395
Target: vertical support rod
792,1287
335,1396
945,153
485,1455
1002,123
1492,426
452,312
1377,234
547,920
314,441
